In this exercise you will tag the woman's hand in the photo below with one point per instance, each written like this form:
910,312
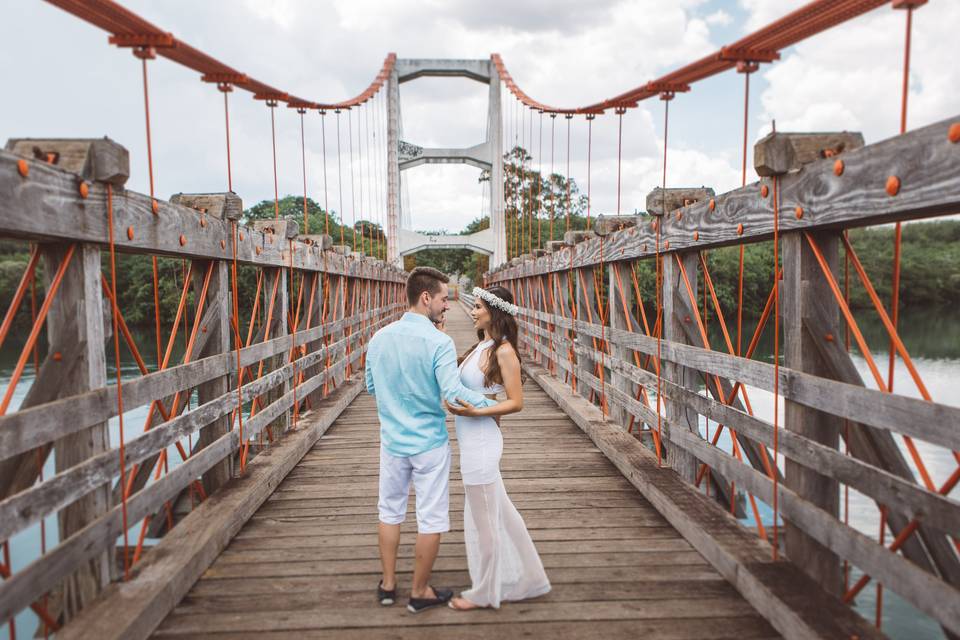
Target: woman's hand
464,408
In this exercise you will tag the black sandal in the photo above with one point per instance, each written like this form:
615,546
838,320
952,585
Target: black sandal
416,605
385,597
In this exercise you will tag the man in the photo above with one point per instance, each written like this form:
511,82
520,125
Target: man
411,368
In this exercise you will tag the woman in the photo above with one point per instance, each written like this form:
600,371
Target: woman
503,562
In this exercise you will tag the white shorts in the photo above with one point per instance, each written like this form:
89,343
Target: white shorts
430,473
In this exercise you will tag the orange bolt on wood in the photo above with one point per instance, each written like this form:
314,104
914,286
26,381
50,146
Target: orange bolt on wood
954,133
23,168
713,204
838,167
57,356
740,229
696,235
183,240
764,190
155,206
203,221
223,244
893,185
798,212
84,189
129,233
828,337
679,214
258,250
204,329
653,225
241,235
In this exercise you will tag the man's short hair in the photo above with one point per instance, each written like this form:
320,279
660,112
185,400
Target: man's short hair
424,279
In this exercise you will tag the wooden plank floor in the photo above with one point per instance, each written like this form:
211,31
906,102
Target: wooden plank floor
306,565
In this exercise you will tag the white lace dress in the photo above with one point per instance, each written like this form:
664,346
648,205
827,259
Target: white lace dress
503,562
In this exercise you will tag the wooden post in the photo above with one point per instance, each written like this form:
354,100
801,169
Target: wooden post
674,294
618,320
803,285
217,329
565,305
315,319
279,329
585,292
76,317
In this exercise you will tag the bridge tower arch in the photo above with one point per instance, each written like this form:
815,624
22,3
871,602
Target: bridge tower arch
486,155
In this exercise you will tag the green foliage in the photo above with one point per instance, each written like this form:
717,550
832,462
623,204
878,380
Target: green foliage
364,235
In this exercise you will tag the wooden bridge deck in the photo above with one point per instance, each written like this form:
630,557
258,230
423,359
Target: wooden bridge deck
306,564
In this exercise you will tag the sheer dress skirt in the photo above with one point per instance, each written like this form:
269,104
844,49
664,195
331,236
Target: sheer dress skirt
503,561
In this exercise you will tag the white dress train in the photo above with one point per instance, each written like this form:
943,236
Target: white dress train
503,561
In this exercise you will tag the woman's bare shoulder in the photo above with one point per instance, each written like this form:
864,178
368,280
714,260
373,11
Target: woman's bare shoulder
505,350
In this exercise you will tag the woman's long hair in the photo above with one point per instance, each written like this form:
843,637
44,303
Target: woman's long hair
503,327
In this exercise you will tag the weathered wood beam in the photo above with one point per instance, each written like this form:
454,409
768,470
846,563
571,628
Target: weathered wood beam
924,160
38,577
928,549
34,426
802,280
925,591
901,495
796,606
133,609
47,205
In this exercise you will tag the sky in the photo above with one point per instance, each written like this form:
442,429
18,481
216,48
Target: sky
66,81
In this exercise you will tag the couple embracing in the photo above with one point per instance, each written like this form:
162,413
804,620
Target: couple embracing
412,370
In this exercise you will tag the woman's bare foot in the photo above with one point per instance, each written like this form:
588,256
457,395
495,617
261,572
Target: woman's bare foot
462,604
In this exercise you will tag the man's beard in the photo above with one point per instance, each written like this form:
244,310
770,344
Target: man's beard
436,317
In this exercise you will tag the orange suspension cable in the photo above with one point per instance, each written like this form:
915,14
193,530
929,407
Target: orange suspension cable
272,104
553,199
898,230
339,177
226,88
659,275
568,117
590,118
326,193
776,362
116,354
35,329
539,183
293,334
236,340
303,165
25,280
619,111
353,182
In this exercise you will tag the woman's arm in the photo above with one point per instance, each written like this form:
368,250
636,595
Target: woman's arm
510,370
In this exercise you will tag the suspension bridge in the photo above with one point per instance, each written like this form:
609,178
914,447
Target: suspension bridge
226,486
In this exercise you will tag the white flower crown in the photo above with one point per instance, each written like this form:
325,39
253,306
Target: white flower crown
493,300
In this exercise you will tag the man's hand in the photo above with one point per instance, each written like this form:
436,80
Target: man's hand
462,408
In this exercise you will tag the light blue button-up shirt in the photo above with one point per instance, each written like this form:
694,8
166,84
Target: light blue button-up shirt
411,367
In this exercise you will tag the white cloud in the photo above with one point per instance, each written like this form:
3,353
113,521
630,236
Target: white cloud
564,54
851,77
719,17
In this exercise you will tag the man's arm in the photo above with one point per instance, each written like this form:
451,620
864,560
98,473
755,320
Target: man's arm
448,377
368,371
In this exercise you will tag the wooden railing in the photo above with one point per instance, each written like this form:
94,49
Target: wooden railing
316,306
584,320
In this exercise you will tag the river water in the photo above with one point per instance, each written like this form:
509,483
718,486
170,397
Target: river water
931,337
